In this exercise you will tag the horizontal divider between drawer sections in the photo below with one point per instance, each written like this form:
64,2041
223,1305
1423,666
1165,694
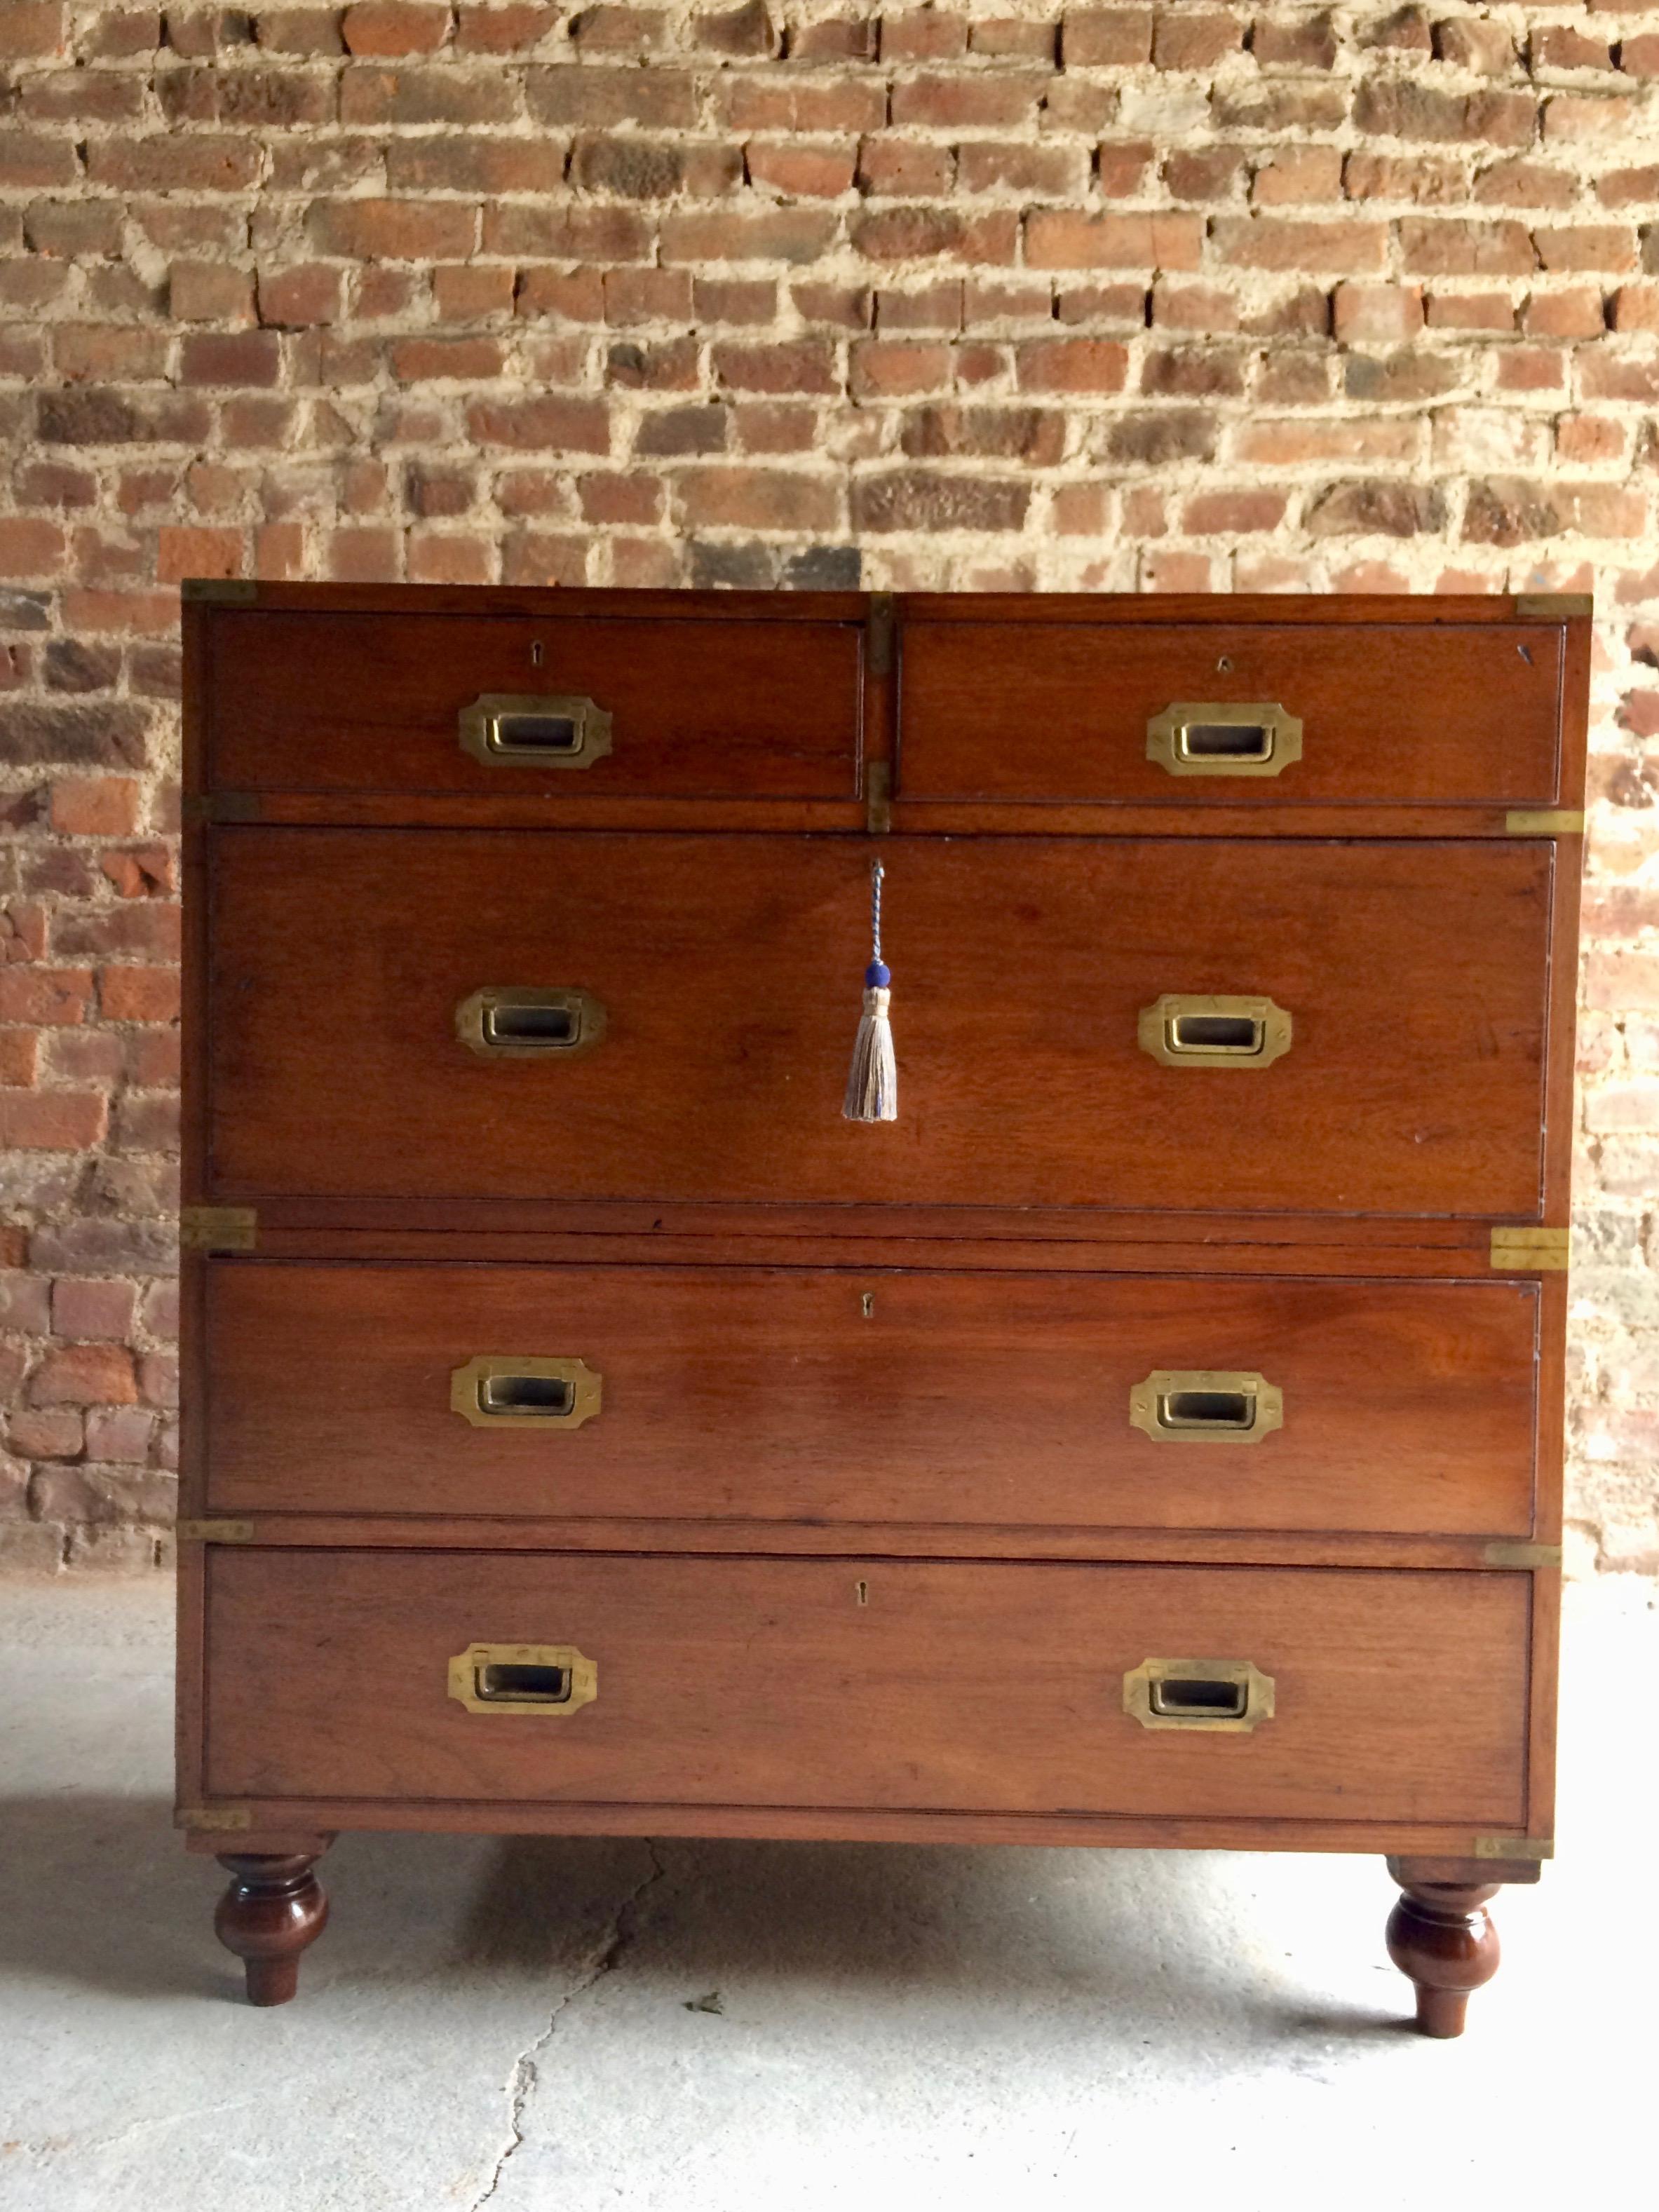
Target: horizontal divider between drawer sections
278,1816
1356,822
987,1544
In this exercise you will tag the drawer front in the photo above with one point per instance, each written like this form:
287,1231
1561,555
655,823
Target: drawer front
847,1682
726,972
1407,714
701,708
801,1394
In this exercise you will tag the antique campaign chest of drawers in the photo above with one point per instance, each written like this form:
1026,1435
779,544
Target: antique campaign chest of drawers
1150,1435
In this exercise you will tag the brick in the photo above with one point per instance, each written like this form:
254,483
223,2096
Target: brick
1571,118
905,168
478,164
387,28
758,499
1031,434
916,500
549,424
898,368
1195,38
52,1121
84,1308
973,100
800,170
1057,239
1608,246
1636,307
1158,438
1376,314
84,1374
1106,37
1298,175
1374,507
1575,314
1445,246
1080,365
1354,248
1300,42
392,230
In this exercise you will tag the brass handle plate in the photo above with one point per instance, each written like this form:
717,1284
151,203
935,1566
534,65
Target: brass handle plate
510,729
513,1021
1206,1406
498,1391
1217,1696
1183,1030
550,1680
1212,738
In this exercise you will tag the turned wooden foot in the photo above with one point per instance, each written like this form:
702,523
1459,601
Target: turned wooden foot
1441,1935
274,1908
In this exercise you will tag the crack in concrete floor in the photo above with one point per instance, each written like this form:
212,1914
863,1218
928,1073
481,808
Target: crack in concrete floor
522,2083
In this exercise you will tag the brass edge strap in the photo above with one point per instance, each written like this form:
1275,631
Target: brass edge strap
1553,606
878,635
224,1819
1515,1847
218,1228
1546,821
1522,1555
878,798
1531,1251
220,591
214,1532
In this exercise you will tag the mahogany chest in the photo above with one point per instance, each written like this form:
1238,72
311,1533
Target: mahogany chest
1150,1436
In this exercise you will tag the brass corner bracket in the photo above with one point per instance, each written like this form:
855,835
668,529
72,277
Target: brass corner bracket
220,591
218,1228
214,1532
1531,1251
214,1819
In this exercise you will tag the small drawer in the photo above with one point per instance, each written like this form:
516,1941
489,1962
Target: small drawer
996,1401
1205,715
1199,1024
1250,1692
567,706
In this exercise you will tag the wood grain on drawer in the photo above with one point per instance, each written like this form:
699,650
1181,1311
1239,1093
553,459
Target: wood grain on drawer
806,1395
868,1682
704,709
1397,714
729,971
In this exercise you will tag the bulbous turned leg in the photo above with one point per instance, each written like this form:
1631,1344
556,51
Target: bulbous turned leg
1441,1936
274,1908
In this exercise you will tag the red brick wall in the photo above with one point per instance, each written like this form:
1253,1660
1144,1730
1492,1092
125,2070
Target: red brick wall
1193,297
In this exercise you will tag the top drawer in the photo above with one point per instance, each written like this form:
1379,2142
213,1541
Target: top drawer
600,707
1204,715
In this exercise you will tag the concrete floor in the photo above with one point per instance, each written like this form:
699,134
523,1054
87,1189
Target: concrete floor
519,2023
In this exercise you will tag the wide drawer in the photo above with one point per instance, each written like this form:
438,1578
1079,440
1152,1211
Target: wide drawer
712,986
593,707
720,1393
1406,713
865,1682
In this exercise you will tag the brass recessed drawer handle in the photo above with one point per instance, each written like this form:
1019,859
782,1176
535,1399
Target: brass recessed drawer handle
511,1021
1219,739
502,1391
554,1680
1227,1696
1183,1031
1206,1406
509,729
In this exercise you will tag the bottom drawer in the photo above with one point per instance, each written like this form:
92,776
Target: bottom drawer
1396,1695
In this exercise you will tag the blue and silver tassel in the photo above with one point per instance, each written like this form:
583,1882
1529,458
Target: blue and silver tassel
872,1080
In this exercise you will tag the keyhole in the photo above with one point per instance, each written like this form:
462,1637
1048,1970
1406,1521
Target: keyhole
1226,664
536,654
1524,654
863,1590
867,1304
